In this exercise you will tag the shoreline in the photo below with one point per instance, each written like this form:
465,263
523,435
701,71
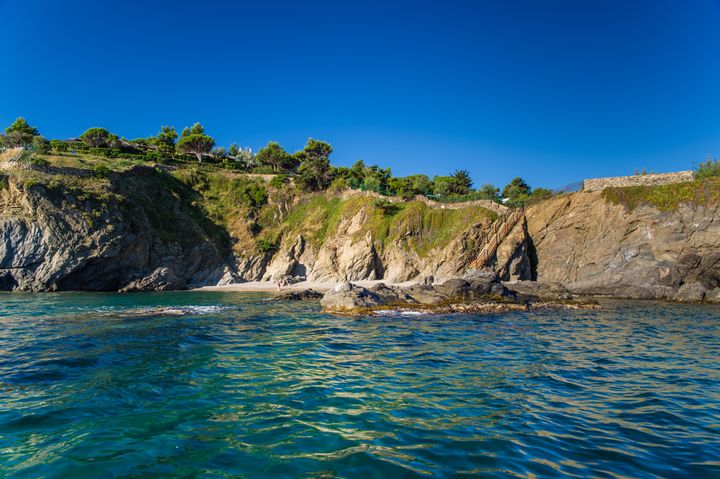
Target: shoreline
319,286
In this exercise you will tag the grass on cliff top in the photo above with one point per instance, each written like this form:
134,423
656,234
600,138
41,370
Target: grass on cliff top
421,227
666,197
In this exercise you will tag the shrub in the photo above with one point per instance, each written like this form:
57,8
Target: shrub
40,144
540,194
4,183
707,169
278,181
388,207
37,161
59,146
266,246
101,171
98,137
263,170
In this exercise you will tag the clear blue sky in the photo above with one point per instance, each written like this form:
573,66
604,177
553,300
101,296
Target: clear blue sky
551,90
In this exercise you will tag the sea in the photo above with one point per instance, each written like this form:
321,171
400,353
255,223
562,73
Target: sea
242,385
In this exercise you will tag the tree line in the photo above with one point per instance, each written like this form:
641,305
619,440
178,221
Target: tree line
310,167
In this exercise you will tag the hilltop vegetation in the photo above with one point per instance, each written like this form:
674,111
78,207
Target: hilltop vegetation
309,168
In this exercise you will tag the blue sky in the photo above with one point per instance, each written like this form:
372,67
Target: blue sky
550,90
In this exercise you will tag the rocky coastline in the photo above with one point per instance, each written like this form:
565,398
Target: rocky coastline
144,230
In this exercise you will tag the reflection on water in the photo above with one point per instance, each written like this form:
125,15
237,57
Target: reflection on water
228,385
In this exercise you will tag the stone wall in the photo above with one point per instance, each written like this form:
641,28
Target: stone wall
597,184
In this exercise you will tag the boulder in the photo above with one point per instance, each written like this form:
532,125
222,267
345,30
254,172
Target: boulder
391,295
162,279
690,293
307,295
539,289
349,298
424,294
713,296
454,288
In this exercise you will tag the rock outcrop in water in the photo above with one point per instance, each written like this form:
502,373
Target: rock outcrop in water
480,292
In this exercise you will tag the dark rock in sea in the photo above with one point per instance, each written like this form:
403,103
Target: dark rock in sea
482,292
454,288
349,298
307,295
539,290
391,295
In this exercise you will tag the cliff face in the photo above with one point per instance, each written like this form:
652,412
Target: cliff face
144,229
596,246
133,231
395,242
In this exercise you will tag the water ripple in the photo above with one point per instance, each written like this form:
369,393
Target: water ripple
232,385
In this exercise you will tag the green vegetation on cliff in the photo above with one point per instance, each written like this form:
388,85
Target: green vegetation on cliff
666,197
250,214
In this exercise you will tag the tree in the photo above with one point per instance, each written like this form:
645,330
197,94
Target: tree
196,129
421,184
98,138
540,194
488,191
354,175
165,141
314,172
443,185
410,186
197,144
376,179
275,156
20,133
463,182
317,149
517,191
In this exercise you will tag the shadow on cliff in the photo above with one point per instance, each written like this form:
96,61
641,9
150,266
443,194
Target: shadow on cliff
156,222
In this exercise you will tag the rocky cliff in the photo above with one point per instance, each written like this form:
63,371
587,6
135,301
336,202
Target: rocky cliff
134,231
144,228
642,242
152,228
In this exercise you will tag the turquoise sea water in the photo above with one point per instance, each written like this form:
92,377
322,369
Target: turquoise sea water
235,385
